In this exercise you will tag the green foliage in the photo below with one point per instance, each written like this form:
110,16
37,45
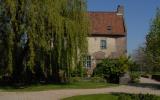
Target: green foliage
6,36
153,44
134,77
148,56
111,69
135,67
41,38
79,72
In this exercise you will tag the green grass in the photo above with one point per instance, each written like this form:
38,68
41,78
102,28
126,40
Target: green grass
107,97
75,85
93,97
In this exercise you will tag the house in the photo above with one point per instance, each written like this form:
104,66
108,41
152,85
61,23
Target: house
107,38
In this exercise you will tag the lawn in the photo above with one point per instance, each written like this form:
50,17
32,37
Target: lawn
93,97
75,85
114,97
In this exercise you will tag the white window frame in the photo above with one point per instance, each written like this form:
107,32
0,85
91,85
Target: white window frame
103,44
87,62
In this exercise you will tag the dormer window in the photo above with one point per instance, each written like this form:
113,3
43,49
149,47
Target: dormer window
109,28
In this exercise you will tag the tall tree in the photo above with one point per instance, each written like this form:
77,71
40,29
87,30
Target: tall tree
7,16
153,43
42,38
69,33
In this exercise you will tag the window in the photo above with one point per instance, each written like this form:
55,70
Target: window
87,62
103,44
109,28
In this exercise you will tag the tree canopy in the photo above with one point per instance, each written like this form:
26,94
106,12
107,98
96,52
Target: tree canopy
42,40
153,43
147,56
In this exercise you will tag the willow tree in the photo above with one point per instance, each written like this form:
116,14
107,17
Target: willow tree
13,22
42,38
7,16
68,21
12,14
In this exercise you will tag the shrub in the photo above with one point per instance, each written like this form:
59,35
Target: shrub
112,69
108,70
135,77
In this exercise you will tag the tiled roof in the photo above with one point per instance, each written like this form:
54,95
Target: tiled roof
106,23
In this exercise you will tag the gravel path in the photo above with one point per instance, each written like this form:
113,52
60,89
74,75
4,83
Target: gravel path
149,81
58,94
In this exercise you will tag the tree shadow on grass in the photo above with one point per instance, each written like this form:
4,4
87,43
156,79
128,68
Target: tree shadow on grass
129,96
146,85
119,93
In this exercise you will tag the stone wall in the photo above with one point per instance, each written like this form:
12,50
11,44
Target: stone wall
116,46
121,45
94,45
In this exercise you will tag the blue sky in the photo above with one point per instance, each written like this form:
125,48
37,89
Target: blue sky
138,16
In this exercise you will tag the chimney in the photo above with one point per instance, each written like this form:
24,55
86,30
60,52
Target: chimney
120,10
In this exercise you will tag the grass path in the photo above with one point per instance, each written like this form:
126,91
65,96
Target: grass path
58,94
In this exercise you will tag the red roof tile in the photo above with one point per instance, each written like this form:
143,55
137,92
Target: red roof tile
106,23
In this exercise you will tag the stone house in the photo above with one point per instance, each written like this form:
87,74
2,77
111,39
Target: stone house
107,38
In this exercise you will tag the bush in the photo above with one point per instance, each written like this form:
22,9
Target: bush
108,70
156,77
112,69
97,79
135,77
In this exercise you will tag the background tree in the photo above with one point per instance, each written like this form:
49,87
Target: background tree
153,43
139,57
147,56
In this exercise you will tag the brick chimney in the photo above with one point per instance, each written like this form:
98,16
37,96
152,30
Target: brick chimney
120,10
